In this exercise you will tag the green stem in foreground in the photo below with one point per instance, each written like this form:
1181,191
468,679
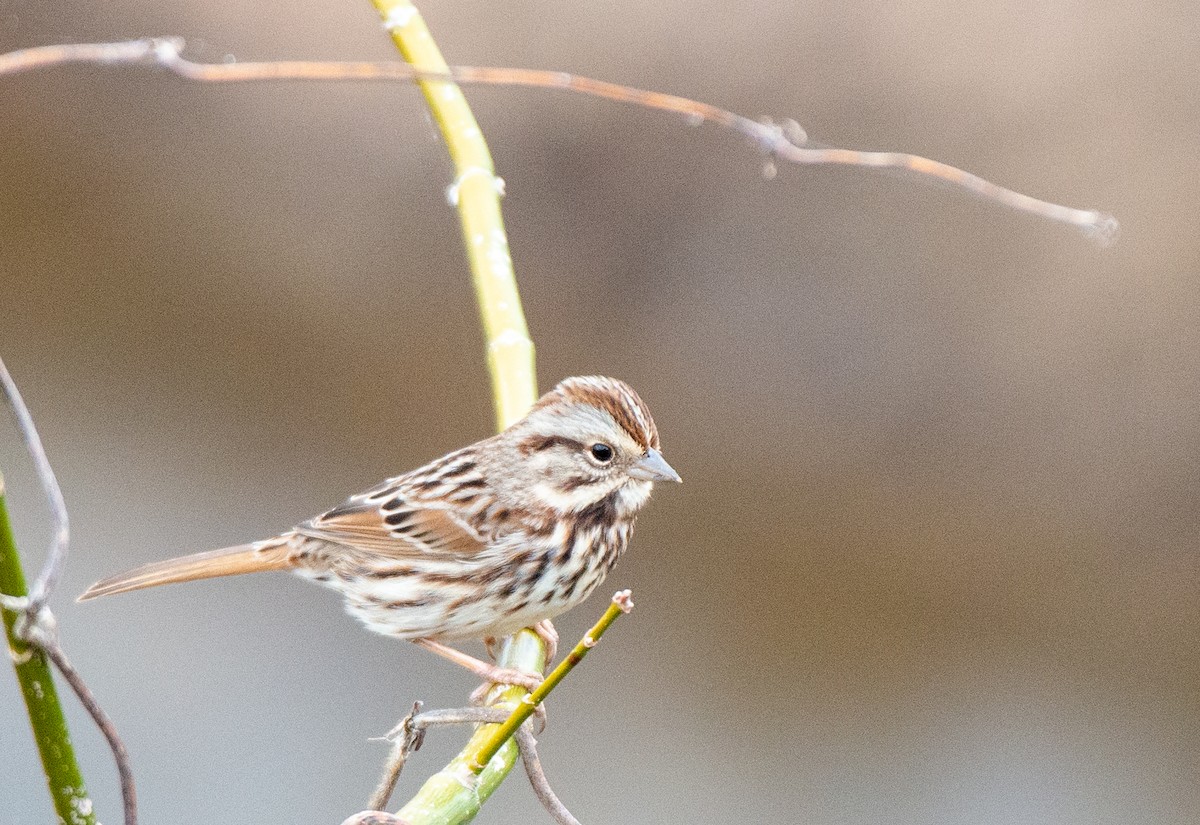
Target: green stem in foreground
499,735
457,792
63,777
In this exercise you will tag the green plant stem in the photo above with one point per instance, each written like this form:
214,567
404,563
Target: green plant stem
452,796
63,777
457,792
499,735
476,193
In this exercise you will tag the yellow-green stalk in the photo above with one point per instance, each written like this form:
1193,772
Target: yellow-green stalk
475,192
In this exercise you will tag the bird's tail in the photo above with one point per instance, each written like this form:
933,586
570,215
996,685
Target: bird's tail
273,554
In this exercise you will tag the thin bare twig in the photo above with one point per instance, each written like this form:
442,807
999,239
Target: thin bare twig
458,716
782,142
61,534
409,734
537,778
407,739
36,624
44,634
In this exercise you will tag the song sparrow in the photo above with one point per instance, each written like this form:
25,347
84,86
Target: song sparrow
506,533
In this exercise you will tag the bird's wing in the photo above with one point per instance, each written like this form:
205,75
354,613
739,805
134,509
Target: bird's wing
404,524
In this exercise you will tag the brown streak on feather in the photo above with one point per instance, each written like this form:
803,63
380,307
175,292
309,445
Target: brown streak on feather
573,582
458,469
568,546
539,571
383,491
389,572
434,579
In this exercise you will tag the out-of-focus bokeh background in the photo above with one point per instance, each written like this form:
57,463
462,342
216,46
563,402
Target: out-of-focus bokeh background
935,560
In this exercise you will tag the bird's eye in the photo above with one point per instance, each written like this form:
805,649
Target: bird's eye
602,453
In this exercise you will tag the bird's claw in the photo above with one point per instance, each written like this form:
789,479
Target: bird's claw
479,696
546,632
496,676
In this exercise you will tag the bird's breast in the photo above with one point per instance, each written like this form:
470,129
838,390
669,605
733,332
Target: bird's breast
520,579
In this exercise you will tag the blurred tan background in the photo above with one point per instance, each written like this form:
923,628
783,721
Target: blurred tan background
935,559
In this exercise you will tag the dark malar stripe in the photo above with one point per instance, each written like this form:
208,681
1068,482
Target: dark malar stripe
601,514
573,483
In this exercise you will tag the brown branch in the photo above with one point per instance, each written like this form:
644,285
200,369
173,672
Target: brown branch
781,143
407,740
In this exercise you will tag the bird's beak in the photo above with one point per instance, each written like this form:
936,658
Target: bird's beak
653,467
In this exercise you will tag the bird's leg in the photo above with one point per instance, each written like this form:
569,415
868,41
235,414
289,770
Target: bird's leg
490,643
546,632
489,673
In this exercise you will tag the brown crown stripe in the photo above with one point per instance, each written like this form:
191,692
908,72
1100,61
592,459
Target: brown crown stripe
616,398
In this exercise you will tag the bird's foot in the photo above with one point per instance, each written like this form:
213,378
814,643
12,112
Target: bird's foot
479,696
546,632
505,676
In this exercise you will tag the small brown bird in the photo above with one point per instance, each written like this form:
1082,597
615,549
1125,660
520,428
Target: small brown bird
506,533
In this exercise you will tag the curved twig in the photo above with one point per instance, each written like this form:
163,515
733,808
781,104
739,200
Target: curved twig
407,739
61,532
537,778
781,143
49,645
